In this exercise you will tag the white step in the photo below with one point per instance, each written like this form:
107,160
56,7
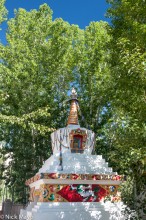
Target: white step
76,211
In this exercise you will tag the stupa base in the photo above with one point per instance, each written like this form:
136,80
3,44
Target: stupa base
73,211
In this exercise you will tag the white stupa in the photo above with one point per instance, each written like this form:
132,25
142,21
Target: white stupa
73,183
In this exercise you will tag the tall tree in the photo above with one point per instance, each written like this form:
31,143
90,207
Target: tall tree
3,14
39,62
128,55
93,79
92,70
36,66
128,68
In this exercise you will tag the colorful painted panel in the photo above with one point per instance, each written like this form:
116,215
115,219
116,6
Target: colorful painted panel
76,193
75,176
82,193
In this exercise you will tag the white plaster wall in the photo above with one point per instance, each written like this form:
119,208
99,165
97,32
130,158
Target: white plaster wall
62,136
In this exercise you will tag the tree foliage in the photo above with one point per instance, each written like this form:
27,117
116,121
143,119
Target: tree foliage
128,55
35,72
128,68
128,72
3,11
43,59
39,62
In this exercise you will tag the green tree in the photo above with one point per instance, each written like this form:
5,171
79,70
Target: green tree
128,55
3,11
39,64
35,73
128,68
39,61
92,73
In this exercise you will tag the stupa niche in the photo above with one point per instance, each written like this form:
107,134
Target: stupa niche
73,183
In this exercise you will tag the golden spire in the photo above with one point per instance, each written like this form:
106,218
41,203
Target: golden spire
73,115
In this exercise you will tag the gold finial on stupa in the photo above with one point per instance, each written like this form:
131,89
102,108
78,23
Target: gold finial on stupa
73,115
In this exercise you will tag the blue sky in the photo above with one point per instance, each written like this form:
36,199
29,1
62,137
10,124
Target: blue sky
80,12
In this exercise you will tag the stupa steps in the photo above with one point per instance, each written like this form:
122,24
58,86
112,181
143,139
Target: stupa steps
83,156
82,168
107,206
74,205
76,211
79,162
79,210
76,163
85,163
88,169
79,157
81,171
72,215
45,209
85,160
84,172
